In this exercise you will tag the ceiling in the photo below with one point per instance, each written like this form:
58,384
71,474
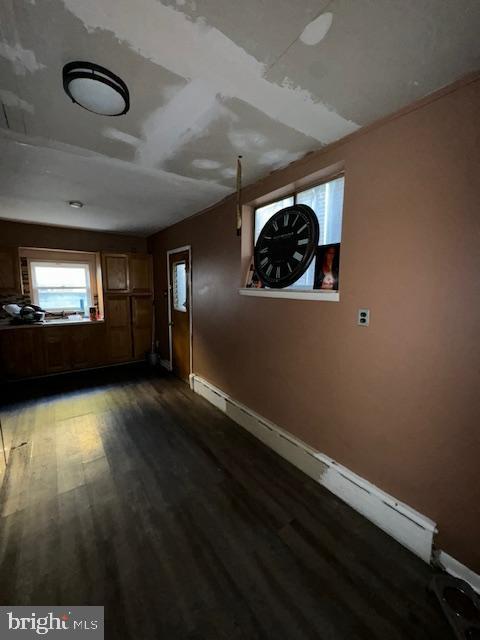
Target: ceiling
208,80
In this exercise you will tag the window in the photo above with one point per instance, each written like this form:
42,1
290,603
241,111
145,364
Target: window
179,286
60,286
327,201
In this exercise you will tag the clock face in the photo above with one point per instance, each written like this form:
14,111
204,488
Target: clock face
286,246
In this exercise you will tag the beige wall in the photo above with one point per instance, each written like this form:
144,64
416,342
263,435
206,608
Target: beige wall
398,402
19,234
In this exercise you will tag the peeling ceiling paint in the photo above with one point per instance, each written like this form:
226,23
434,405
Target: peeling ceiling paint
270,80
23,59
223,67
9,99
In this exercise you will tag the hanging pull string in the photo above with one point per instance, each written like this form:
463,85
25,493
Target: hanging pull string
239,195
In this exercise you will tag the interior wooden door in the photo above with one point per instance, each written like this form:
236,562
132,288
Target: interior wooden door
179,266
141,325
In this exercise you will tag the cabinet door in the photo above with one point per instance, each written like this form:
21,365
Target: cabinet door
140,271
87,346
80,349
115,273
56,348
119,337
21,353
141,325
9,270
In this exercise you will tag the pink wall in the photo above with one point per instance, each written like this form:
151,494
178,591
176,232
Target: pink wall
398,402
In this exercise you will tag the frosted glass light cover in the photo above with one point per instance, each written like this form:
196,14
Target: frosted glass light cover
96,96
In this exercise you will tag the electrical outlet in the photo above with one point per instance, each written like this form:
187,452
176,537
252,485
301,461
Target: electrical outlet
363,318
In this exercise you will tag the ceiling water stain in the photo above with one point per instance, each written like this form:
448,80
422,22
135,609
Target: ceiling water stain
317,29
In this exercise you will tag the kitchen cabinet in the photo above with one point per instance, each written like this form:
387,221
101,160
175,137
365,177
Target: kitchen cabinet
21,353
129,316
140,273
40,350
115,272
141,325
119,336
127,273
10,281
87,346
56,349
74,347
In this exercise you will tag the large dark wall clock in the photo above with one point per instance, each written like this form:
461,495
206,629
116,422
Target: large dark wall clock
286,246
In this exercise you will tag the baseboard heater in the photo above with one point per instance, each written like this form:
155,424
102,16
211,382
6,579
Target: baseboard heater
412,529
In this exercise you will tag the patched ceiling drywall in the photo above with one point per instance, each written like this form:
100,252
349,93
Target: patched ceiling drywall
208,80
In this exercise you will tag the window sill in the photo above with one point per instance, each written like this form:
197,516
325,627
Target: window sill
326,296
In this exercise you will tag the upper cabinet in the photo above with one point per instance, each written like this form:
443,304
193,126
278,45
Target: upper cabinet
127,273
115,272
140,269
10,281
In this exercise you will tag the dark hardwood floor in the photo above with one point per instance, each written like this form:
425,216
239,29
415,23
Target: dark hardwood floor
127,490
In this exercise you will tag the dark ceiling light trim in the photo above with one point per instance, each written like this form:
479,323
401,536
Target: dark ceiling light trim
81,70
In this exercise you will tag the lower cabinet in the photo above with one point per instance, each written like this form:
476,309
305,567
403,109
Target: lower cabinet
87,346
126,335
119,330
77,347
129,326
141,325
36,351
56,348
21,353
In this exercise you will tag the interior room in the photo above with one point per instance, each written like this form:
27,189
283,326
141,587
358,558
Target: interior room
239,312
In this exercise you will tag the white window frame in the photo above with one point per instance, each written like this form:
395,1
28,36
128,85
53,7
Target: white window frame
66,265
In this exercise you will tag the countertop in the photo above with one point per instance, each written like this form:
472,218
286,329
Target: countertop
50,323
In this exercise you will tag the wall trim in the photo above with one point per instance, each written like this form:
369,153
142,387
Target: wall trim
409,527
166,364
458,570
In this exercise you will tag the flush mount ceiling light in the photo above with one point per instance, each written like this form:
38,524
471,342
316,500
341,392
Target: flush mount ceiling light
96,89
76,204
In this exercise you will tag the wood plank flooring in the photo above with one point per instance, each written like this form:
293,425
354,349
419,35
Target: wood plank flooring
124,489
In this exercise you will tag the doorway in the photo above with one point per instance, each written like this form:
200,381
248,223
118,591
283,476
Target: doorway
179,312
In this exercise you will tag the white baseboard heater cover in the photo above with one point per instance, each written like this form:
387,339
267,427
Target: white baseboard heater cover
412,529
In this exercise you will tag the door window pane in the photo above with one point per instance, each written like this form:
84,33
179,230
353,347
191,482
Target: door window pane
179,286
